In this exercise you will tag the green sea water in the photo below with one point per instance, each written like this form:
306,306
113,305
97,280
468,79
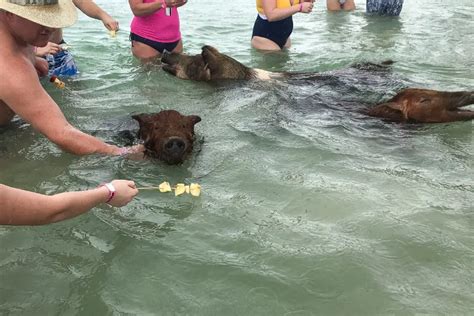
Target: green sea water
305,210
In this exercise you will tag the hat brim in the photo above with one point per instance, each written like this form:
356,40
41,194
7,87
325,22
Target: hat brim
59,15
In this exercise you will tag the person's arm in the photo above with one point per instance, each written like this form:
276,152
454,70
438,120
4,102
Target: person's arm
92,10
143,9
25,96
20,207
275,14
50,48
41,66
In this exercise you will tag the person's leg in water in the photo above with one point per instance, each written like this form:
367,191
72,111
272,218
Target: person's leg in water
337,5
272,36
384,7
148,50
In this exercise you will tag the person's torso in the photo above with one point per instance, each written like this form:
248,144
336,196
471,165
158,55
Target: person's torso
158,26
13,58
280,4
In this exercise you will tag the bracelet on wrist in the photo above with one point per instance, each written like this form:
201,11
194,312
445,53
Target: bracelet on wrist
111,190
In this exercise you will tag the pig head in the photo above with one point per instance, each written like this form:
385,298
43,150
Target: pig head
426,106
167,135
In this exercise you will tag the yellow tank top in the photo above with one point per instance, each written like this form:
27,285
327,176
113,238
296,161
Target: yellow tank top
281,4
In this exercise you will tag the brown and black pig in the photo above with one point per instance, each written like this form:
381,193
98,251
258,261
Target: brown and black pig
409,105
167,135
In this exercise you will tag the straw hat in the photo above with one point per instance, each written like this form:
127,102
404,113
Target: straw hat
50,13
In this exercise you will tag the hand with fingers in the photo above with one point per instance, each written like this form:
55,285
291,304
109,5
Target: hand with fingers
50,48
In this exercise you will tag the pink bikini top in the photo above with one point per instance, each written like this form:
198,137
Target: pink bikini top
157,26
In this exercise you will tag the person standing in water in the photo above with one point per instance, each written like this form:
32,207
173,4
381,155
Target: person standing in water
384,7
274,23
60,60
337,5
22,26
155,27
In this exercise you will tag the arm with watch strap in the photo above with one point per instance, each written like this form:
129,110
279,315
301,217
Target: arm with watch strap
273,13
140,8
20,207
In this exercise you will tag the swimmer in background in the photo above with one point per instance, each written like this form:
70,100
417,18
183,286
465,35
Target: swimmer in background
60,60
384,7
337,5
274,23
155,27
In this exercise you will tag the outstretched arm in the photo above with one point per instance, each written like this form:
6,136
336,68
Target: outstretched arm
89,8
24,95
19,207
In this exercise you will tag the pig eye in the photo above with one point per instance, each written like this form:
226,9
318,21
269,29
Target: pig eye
424,100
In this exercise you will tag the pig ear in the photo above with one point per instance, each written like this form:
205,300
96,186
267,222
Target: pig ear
142,118
138,117
194,119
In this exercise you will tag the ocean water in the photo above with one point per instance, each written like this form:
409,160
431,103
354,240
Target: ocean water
307,208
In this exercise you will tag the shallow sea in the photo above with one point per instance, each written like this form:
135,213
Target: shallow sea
306,209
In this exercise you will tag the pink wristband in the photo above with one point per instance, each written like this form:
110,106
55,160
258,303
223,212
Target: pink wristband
124,151
301,6
110,187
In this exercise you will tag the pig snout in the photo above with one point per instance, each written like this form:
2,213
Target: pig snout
174,146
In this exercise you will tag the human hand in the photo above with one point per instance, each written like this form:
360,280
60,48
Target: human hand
41,66
175,3
110,23
124,151
134,152
306,7
50,48
125,191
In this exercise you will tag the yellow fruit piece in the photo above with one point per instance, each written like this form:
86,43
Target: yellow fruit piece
195,189
59,84
164,187
112,33
180,189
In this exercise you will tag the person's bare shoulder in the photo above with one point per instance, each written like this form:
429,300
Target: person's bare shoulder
16,68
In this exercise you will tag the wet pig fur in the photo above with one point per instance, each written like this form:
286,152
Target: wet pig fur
409,105
167,135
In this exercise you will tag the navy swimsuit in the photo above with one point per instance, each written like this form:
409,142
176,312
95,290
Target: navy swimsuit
278,31
159,46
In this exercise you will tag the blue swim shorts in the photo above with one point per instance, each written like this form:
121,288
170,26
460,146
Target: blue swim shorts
62,64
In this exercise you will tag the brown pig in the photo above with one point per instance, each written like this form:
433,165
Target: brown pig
425,106
167,135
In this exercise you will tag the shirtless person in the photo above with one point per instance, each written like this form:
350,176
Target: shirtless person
20,90
21,27
61,62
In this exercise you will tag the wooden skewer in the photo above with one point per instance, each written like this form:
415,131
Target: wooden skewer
152,188
148,188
